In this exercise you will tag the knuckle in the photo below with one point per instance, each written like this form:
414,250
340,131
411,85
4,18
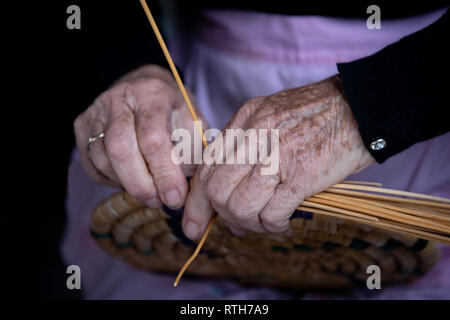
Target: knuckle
216,197
119,146
260,122
253,101
104,166
77,131
141,192
165,176
248,107
204,172
80,123
117,89
77,123
106,97
150,85
274,224
152,142
240,212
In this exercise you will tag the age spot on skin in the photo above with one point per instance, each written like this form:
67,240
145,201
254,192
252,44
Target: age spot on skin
347,145
318,146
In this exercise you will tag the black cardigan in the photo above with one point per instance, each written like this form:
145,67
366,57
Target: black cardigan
401,93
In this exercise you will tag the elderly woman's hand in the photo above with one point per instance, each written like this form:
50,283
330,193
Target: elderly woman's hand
319,145
137,115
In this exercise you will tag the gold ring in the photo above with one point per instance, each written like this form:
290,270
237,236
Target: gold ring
93,138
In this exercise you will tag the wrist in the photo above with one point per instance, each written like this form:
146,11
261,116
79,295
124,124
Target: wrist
358,149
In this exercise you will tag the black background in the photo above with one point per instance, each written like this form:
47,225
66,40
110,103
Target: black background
61,73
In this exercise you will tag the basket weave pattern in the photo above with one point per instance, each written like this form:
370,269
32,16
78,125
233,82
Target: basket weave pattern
315,252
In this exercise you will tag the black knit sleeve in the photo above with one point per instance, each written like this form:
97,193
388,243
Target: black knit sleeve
401,93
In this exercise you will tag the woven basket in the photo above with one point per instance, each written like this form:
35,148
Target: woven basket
315,252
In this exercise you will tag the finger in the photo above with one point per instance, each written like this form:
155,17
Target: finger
154,142
221,184
234,228
198,211
277,212
126,159
250,197
223,181
97,154
82,132
225,177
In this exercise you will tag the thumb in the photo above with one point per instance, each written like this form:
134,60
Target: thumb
198,211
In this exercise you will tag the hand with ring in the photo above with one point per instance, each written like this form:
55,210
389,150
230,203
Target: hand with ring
124,137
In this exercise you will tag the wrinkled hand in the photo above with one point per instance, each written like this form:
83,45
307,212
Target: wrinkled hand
137,115
319,146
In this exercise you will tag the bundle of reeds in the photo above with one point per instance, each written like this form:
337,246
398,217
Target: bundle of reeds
420,215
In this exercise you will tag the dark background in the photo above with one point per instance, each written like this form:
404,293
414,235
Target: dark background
64,70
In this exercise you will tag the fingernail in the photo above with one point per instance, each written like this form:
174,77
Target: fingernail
154,203
191,230
173,198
